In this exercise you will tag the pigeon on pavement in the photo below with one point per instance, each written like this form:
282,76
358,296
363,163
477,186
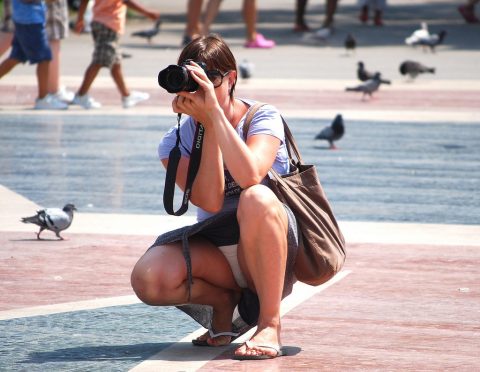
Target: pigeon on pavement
350,43
417,35
433,40
364,75
333,132
368,87
53,219
246,69
148,34
413,69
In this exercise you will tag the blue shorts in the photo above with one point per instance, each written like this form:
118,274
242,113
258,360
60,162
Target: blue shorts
30,43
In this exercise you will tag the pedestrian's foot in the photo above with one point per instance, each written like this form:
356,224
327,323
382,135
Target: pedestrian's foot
301,28
50,102
260,42
468,14
363,14
323,33
378,19
134,98
86,102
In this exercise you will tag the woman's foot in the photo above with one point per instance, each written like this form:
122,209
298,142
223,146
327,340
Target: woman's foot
221,326
269,337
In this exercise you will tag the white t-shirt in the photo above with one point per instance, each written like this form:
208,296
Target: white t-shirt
266,120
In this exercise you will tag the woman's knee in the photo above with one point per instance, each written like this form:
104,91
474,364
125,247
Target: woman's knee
258,203
154,278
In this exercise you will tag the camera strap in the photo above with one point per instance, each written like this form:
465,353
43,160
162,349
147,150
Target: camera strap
173,161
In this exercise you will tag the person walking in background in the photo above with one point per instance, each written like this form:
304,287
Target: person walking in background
6,27
30,44
378,7
253,39
57,29
108,23
467,11
327,26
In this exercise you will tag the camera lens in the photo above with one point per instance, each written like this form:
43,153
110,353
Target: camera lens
174,78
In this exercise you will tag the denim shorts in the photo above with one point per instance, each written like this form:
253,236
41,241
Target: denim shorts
30,43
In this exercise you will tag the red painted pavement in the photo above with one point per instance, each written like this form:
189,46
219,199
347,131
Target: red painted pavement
403,308
85,267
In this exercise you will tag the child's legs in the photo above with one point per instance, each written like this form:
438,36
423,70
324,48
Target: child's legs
30,44
7,66
106,54
88,78
42,78
5,41
54,69
117,75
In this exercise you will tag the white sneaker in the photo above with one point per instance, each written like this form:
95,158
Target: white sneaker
323,33
86,102
65,95
134,98
50,102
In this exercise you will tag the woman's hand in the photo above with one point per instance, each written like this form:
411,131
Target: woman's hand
202,102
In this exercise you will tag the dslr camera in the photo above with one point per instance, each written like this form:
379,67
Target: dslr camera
176,78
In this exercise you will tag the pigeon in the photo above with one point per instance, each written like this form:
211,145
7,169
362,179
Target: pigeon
350,43
333,132
364,75
413,69
53,219
421,33
246,69
368,87
148,34
433,40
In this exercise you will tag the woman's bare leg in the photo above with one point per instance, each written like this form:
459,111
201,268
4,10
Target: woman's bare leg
160,278
262,256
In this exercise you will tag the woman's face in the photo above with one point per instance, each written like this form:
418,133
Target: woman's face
223,83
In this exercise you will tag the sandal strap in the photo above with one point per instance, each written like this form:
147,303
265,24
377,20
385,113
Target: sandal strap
214,335
252,345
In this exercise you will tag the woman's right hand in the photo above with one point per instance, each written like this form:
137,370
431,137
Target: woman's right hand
201,103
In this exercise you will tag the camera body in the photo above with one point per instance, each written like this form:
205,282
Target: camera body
176,78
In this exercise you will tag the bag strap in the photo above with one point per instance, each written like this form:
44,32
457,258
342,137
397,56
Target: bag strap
193,166
289,140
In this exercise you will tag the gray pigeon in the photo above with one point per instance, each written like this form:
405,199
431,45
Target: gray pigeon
413,69
333,132
53,219
368,87
246,69
148,34
433,40
364,75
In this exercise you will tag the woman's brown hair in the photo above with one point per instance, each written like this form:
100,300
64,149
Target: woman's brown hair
214,52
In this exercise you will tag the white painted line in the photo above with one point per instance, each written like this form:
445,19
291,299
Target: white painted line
68,306
182,356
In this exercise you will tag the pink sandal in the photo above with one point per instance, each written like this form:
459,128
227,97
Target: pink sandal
260,42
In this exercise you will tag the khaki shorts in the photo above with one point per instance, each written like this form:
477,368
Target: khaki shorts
106,52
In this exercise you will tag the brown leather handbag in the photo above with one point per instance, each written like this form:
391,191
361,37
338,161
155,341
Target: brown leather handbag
322,251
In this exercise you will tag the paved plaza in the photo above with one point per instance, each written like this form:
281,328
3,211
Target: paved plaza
403,183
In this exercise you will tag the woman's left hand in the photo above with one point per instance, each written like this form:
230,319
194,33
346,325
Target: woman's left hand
200,103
